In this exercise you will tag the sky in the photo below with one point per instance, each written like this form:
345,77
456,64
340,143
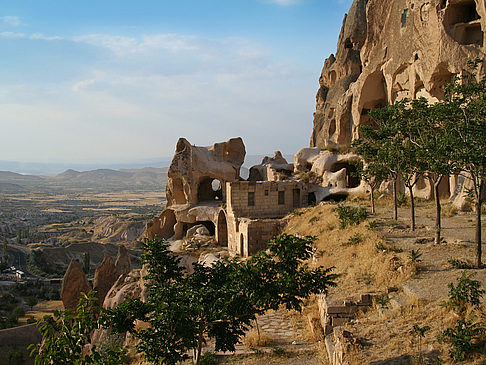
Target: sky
118,81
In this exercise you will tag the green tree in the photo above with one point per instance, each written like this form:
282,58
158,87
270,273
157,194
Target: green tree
217,302
464,116
31,302
373,174
86,261
66,334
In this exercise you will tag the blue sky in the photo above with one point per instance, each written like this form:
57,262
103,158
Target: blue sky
117,81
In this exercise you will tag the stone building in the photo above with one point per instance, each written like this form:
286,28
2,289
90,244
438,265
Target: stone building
205,188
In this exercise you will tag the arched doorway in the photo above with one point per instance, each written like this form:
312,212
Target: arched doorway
242,244
222,229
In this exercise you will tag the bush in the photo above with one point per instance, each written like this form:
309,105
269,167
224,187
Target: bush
353,241
461,338
349,215
461,264
466,292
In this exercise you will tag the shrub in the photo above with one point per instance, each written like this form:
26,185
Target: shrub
467,291
382,301
354,240
461,264
349,215
461,338
209,358
415,256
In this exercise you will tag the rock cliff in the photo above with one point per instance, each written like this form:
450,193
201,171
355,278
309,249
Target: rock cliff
389,50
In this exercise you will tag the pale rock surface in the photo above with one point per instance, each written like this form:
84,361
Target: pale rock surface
274,168
74,283
197,229
389,50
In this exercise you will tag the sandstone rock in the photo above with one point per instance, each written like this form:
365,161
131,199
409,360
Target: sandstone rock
104,278
197,229
389,50
274,168
208,259
197,185
74,283
123,264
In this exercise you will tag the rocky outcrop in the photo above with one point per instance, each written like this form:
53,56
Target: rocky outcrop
74,283
197,186
389,50
104,278
274,168
123,264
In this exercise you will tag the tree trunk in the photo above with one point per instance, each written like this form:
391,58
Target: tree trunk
438,224
479,203
372,196
258,330
412,208
395,203
199,348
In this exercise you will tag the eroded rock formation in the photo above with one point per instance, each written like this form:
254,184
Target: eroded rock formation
123,264
104,278
74,283
197,186
389,50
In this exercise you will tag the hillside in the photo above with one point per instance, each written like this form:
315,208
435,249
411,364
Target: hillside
374,257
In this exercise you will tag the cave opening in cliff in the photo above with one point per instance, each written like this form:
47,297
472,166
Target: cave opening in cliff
352,179
206,191
373,95
461,20
208,224
177,190
336,198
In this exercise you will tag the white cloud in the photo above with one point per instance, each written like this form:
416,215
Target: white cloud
9,20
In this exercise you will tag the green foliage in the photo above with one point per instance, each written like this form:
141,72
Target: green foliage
461,338
349,215
66,334
31,302
209,358
415,256
86,261
40,266
419,333
314,219
217,302
382,301
460,264
401,200
372,225
353,241
467,291
278,351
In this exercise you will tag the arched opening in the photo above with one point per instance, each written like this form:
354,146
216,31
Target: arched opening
373,95
440,78
352,179
332,77
222,229
463,23
336,198
332,128
311,199
206,191
167,223
208,224
242,245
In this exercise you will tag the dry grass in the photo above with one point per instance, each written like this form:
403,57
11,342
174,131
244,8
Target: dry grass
252,339
362,267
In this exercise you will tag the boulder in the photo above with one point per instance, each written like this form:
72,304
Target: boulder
274,168
74,283
104,278
197,230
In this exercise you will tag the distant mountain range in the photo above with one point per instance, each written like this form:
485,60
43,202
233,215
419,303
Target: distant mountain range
104,179
100,179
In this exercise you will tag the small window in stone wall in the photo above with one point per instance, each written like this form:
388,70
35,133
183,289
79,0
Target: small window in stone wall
266,192
251,199
281,197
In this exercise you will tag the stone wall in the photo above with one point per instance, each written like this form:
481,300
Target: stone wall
265,199
18,339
